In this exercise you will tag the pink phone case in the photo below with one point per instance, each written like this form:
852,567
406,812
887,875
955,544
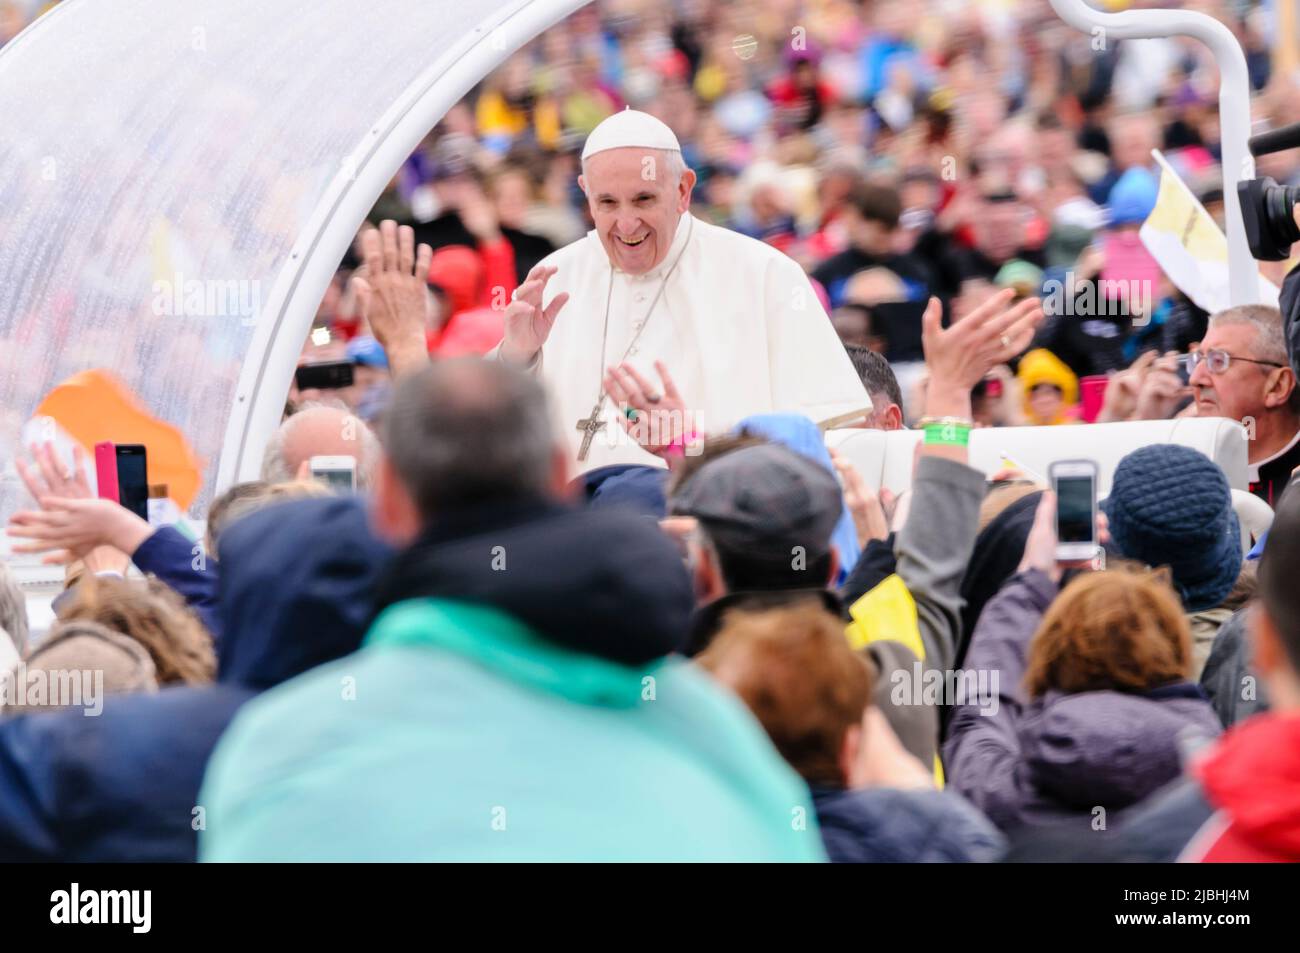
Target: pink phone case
106,471
1094,395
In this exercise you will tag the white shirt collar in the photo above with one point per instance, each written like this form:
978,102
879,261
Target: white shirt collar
1253,469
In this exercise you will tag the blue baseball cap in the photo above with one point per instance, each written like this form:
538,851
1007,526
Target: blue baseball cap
1132,198
367,352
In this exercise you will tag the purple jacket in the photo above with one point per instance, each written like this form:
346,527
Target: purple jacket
1060,757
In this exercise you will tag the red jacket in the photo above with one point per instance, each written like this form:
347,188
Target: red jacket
473,281
1252,779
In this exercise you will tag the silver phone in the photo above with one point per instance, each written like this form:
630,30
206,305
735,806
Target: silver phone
1075,485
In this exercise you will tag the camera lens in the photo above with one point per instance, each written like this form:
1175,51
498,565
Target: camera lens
1279,204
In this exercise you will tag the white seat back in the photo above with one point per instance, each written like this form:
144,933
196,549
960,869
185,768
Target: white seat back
886,459
1254,515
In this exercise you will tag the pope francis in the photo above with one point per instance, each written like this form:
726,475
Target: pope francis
658,328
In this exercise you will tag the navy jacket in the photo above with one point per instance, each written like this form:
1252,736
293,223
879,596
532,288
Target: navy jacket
1159,829
886,825
1290,305
297,590
170,555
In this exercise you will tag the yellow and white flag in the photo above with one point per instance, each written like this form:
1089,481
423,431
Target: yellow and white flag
1185,239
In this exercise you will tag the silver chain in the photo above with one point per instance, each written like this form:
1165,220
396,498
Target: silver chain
609,299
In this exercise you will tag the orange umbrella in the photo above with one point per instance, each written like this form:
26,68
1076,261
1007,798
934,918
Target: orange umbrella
95,406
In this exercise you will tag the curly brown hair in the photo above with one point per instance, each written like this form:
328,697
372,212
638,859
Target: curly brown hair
795,671
156,617
1119,630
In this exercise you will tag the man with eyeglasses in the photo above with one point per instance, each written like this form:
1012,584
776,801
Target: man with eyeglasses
1241,372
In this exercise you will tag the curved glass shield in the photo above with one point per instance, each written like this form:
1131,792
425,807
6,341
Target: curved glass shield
161,159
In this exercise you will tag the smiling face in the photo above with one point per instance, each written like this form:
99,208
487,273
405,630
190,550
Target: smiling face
637,201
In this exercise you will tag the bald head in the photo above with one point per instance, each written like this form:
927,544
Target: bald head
466,431
320,431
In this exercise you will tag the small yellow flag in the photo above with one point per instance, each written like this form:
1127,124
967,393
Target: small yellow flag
1189,246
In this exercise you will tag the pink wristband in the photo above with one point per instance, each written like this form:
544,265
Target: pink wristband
678,447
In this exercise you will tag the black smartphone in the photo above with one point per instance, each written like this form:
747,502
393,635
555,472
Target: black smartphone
133,479
1185,368
328,376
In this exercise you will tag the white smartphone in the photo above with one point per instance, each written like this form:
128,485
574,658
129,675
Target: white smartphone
1075,485
337,473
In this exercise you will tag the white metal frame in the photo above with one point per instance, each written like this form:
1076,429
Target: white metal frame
1234,109
297,290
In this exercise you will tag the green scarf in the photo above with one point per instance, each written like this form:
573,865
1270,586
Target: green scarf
505,645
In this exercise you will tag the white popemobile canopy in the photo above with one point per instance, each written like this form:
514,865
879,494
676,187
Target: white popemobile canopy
179,181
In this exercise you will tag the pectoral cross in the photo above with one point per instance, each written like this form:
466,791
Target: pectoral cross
590,427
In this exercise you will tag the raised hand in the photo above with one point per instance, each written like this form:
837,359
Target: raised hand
992,334
67,528
50,478
660,419
1161,390
528,323
957,358
864,505
394,290
1123,389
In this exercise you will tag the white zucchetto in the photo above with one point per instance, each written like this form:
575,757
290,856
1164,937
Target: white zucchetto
630,129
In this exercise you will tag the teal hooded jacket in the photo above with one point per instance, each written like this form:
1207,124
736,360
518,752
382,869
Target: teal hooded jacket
460,734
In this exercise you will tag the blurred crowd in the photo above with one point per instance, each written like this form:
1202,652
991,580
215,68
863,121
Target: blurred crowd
457,662
897,150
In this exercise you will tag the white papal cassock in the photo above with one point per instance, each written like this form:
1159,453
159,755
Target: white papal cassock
738,326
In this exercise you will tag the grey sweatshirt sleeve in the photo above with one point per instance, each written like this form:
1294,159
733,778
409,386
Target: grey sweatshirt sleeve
934,547
931,552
